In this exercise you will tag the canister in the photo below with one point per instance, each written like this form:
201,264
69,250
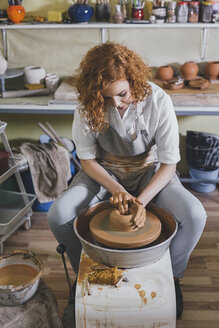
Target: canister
182,12
171,12
206,11
193,12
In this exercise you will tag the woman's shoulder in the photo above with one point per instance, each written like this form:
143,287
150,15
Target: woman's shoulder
157,91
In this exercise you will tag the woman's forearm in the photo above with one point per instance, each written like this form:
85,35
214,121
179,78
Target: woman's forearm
157,183
100,175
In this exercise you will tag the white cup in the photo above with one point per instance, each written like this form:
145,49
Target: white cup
52,82
34,74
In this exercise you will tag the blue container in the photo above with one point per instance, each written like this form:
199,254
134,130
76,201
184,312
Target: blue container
80,13
203,174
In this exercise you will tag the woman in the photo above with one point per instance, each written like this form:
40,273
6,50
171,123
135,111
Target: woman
126,136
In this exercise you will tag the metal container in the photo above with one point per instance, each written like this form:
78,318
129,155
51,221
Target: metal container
11,295
125,258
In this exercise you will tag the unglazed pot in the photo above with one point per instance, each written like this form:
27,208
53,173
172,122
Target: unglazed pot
165,73
189,70
212,70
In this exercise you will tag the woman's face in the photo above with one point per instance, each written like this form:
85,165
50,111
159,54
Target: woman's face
117,94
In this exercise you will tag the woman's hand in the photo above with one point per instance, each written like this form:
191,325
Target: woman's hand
121,199
139,212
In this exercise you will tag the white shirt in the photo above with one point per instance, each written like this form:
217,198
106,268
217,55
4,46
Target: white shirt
157,117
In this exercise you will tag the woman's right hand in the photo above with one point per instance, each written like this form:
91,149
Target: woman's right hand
122,199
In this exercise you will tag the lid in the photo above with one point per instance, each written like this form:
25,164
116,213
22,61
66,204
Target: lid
207,3
194,3
183,3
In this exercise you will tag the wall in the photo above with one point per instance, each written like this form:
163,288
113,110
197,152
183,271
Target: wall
60,51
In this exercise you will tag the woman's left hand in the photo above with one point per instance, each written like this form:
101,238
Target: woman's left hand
121,199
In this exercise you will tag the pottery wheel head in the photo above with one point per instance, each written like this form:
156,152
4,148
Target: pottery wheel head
128,221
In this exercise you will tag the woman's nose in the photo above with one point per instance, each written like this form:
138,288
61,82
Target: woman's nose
116,101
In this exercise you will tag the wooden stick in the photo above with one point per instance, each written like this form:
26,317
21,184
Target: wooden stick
47,132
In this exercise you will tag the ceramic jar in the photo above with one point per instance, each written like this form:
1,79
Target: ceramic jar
138,13
80,13
3,64
16,13
189,70
102,12
165,73
212,70
34,74
118,16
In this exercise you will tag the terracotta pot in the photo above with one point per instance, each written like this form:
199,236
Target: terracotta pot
16,13
165,73
212,70
189,70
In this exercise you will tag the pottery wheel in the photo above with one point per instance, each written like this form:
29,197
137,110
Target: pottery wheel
102,233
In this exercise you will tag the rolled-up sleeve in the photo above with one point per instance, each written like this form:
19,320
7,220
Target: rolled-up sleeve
85,140
167,134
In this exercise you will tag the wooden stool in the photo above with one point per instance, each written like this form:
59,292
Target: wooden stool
146,300
40,311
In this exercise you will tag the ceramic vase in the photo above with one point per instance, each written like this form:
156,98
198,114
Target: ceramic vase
3,65
189,70
102,12
80,13
118,16
212,70
165,73
16,13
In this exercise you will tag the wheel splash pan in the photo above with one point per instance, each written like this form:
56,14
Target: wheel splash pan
121,258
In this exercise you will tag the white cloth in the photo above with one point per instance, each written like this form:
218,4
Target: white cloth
155,114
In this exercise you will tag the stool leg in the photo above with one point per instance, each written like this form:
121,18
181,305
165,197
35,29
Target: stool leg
61,250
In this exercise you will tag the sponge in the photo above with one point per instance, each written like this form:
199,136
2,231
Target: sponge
56,15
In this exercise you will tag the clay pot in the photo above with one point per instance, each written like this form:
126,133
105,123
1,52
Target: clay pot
16,13
212,70
121,222
165,73
189,70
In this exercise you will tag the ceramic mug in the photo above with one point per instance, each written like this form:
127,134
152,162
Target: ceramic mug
34,74
51,81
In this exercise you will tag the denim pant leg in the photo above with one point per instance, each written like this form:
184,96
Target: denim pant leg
191,217
65,209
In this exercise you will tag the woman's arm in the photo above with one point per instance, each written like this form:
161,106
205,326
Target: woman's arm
120,196
158,182
100,175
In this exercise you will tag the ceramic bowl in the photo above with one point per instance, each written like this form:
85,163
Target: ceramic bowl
34,74
20,265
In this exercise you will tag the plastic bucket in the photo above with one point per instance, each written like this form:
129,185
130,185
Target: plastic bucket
203,187
202,150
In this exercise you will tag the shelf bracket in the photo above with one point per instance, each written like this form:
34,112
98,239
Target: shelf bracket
103,34
5,43
203,42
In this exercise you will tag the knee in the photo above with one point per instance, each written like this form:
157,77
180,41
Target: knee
55,215
197,215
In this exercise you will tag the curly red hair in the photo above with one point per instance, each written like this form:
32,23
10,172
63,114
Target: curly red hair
104,64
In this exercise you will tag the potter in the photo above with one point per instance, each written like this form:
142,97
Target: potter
126,136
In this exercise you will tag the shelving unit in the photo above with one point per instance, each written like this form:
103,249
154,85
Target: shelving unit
15,207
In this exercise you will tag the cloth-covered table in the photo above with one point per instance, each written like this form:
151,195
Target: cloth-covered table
39,312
